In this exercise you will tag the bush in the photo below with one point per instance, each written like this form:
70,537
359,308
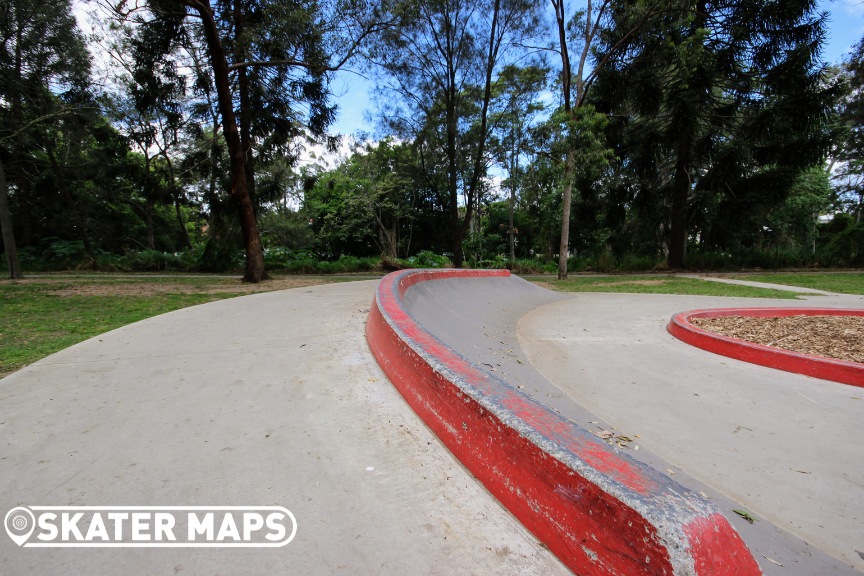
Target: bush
767,259
710,261
533,266
348,264
846,248
64,254
634,263
428,259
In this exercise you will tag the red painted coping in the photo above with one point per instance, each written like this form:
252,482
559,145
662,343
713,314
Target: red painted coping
599,510
808,364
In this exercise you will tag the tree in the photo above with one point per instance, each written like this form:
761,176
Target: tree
849,175
440,64
516,93
368,203
720,104
289,37
589,29
44,68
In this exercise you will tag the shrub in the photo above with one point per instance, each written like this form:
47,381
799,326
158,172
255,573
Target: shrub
428,259
846,248
533,266
634,263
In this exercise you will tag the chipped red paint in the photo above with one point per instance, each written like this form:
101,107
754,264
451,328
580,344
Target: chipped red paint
576,494
712,547
807,364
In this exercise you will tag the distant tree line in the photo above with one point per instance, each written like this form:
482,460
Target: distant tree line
625,134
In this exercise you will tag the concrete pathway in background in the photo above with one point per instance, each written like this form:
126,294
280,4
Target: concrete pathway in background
786,287
269,399
786,447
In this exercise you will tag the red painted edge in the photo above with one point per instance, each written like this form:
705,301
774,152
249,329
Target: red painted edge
808,364
598,510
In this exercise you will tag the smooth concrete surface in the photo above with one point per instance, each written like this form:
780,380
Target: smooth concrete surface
269,399
785,446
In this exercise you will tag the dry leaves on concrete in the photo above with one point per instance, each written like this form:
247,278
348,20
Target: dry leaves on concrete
838,337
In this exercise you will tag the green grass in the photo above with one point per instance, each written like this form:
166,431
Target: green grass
844,283
36,325
663,285
39,316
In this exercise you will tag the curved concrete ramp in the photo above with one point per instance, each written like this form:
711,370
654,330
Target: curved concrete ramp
598,510
271,399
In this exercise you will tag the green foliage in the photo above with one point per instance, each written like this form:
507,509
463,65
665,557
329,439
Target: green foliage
139,182
532,266
427,259
764,258
849,146
715,115
846,248
793,222
369,204
305,262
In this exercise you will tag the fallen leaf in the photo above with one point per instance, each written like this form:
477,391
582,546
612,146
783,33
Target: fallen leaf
800,471
745,515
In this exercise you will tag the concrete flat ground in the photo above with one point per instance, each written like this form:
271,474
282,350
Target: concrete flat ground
785,446
270,399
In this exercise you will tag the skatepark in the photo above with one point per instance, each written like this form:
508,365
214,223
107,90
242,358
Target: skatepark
312,399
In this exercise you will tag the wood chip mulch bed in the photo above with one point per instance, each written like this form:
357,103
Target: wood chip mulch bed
838,337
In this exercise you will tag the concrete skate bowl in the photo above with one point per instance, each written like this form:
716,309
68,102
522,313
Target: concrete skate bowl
682,327
600,511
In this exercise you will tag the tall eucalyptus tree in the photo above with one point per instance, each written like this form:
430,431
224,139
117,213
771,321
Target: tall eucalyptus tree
438,68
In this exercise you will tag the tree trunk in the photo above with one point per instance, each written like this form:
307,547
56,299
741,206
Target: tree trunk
491,58
566,78
456,223
148,219
512,237
251,238
680,195
6,227
564,248
184,234
245,111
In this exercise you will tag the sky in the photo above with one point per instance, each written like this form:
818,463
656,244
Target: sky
845,29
